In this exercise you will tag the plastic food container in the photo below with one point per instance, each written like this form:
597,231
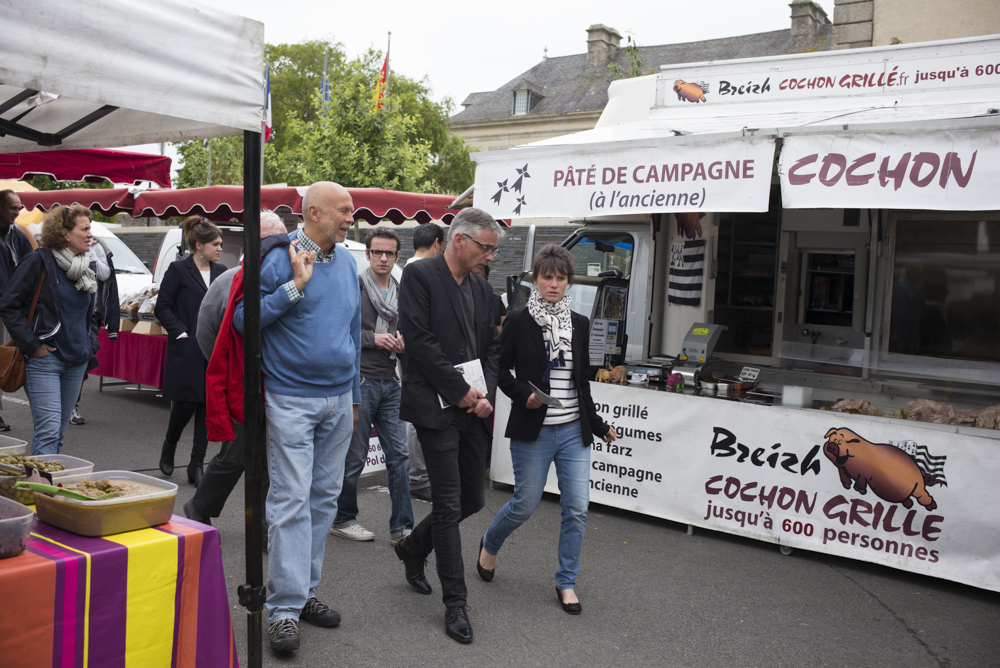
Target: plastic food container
74,465
13,446
7,482
103,518
15,525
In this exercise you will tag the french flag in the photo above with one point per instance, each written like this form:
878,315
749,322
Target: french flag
267,105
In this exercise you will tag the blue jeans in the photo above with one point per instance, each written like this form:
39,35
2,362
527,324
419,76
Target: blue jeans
562,444
307,441
52,386
379,405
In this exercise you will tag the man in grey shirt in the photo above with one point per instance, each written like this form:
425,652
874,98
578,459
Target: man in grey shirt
380,393
225,469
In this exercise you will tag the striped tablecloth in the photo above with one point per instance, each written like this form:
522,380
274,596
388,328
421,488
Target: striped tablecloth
153,597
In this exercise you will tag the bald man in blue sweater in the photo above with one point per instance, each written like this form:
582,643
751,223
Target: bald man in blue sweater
310,327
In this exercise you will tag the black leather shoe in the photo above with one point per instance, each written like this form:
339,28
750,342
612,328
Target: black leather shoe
456,623
195,472
414,567
571,608
192,514
167,458
486,575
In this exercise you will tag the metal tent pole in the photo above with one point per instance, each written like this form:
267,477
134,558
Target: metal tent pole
253,593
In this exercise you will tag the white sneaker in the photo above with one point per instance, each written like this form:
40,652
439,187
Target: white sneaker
393,539
353,532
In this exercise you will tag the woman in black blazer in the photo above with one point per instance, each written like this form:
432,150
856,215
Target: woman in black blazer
183,287
546,344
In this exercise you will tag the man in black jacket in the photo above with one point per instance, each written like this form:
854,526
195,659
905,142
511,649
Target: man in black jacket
13,246
444,311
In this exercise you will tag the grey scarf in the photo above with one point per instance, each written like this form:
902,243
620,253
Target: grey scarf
77,268
385,305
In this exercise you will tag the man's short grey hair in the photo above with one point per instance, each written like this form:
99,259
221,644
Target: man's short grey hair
271,223
472,221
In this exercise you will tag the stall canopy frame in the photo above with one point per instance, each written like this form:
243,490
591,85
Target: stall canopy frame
109,73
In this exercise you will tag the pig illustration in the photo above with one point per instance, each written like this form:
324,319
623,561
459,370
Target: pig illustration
891,473
689,91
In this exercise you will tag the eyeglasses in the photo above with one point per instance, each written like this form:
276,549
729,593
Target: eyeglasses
487,250
383,253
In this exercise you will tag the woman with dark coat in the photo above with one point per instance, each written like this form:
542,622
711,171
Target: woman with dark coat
546,344
183,287
59,341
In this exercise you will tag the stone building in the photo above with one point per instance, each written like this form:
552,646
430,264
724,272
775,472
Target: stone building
566,94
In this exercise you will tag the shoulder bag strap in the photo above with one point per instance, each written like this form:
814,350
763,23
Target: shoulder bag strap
38,291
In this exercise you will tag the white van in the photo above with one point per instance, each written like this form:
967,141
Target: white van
232,250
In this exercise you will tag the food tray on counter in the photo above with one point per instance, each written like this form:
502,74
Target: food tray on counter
12,446
103,518
74,465
15,525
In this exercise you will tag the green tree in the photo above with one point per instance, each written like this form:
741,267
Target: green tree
634,67
407,145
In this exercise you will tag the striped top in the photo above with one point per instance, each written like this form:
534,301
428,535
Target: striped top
562,388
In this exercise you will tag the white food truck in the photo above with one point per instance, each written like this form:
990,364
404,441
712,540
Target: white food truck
813,243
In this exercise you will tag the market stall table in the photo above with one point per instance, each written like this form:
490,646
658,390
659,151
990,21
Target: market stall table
135,358
152,597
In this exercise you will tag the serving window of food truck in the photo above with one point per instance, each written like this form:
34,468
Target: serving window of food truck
819,266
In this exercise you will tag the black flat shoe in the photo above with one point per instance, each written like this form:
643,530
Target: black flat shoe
571,608
456,624
414,567
195,472
486,575
167,458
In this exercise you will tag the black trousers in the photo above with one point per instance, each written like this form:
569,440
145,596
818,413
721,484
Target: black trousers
222,475
180,414
455,458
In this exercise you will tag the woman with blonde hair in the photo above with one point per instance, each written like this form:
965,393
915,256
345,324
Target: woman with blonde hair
58,341
183,287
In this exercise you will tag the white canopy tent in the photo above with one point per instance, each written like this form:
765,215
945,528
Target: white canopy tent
107,73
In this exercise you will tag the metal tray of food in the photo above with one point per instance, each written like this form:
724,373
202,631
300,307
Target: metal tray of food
74,465
103,518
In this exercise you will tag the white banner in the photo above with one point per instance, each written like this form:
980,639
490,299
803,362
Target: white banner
590,180
956,69
901,494
956,171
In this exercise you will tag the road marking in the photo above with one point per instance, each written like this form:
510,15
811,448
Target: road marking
17,400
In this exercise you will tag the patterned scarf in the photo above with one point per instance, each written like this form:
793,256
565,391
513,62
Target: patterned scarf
77,268
385,305
556,324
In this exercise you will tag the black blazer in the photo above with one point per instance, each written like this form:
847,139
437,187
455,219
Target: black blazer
432,332
177,305
522,349
16,303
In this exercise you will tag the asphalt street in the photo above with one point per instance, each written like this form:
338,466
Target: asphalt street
652,594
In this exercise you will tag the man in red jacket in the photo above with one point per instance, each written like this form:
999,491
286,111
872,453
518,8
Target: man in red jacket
224,471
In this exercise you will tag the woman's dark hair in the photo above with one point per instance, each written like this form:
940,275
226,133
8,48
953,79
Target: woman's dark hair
59,222
195,229
552,259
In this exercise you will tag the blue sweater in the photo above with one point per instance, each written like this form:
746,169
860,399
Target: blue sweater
311,348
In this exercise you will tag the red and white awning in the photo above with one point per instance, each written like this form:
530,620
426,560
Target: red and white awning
91,165
109,201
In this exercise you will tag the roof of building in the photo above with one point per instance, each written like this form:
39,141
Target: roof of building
566,84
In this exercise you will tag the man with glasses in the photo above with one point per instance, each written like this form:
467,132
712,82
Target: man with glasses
444,310
381,344
13,247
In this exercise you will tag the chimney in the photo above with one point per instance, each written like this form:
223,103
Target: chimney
602,45
807,17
